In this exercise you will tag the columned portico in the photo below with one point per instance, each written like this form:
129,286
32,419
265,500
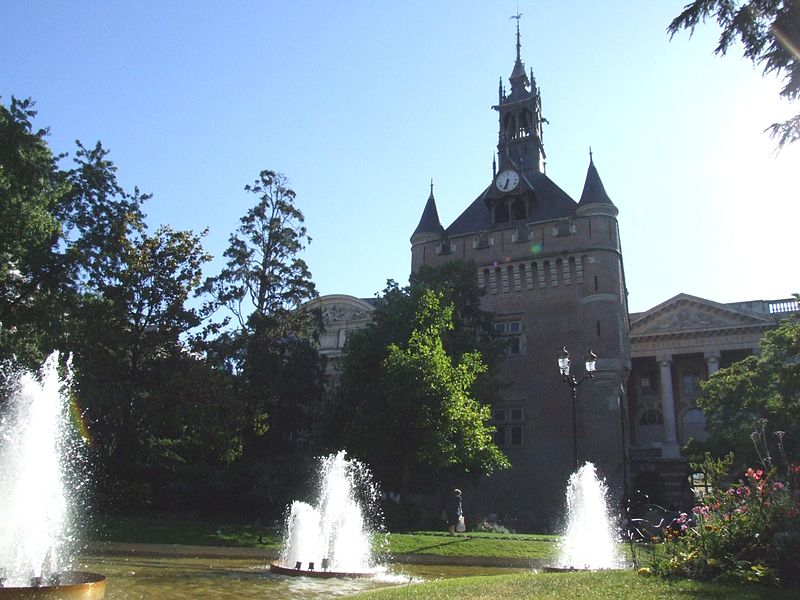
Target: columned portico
712,362
675,346
670,448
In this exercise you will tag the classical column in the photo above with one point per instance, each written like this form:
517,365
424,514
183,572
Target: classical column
712,362
670,449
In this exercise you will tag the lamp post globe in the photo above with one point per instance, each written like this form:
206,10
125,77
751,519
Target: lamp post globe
590,365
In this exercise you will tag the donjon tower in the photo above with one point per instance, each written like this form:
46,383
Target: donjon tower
553,274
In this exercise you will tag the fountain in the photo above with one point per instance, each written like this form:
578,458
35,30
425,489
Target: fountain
332,538
39,462
590,540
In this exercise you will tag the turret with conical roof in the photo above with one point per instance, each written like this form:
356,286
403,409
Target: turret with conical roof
429,223
429,229
594,199
551,274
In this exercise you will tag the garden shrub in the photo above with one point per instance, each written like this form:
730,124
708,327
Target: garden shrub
743,531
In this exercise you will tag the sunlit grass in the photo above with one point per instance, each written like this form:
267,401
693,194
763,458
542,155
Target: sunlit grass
210,533
473,544
610,585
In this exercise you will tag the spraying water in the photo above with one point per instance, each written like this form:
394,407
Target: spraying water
335,529
590,540
35,451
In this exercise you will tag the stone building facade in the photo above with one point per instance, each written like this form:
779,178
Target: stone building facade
341,315
552,271
675,346
553,275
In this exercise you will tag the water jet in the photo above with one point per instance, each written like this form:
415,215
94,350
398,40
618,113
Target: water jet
332,536
39,463
589,541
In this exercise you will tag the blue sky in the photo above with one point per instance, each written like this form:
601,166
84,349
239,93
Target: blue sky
360,103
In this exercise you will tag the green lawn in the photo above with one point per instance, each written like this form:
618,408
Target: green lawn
162,530
206,533
473,544
609,585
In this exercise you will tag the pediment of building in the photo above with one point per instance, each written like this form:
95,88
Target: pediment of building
340,308
686,314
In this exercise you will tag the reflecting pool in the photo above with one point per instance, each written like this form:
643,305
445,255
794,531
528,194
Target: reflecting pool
135,577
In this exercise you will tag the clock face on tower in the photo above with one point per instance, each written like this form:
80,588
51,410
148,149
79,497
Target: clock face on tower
507,180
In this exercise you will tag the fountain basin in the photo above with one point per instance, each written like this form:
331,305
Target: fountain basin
73,585
564,569
284,570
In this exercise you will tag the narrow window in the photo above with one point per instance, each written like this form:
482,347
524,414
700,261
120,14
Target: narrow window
500,436
518,211
516,435
501,213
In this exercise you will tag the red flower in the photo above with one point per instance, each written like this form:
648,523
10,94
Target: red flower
756,475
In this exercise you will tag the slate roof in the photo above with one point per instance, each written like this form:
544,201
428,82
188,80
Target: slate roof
593,190
429,221
551,202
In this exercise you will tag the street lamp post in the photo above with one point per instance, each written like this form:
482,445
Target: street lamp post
563,365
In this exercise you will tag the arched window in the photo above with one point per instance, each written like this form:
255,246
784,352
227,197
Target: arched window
651,417
573,273
510,126
534,274
525,123
694,425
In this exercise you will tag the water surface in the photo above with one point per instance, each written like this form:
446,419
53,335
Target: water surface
140,577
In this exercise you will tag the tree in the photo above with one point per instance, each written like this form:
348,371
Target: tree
31,190
141,305
407,401
264,282
770,33
438,422
80,272
747,403
264,285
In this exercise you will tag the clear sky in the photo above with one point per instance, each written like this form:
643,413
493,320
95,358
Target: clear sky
361,103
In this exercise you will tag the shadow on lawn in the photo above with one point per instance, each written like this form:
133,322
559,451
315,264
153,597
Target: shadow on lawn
453,540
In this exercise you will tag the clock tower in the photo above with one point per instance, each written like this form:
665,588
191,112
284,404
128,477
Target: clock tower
552,275
519,147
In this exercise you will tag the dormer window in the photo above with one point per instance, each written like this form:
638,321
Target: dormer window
501,214
518,210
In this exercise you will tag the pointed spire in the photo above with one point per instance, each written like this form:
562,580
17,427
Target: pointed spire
519,79
593,190
429,222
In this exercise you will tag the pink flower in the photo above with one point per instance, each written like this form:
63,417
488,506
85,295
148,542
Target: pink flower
777,486
756,475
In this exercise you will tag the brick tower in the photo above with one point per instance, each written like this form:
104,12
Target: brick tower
553,275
